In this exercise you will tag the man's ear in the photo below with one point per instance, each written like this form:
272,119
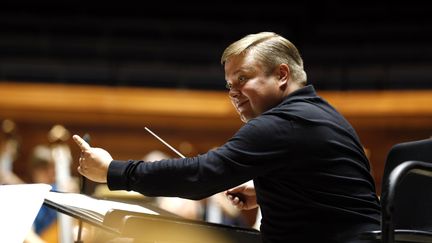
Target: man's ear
284,75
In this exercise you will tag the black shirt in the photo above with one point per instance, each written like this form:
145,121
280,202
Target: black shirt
311,175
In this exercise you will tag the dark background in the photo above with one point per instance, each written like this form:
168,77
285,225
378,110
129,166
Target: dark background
370,46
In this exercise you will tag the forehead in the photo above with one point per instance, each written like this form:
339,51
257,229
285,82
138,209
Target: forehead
241,64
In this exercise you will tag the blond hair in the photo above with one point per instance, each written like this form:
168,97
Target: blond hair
271,50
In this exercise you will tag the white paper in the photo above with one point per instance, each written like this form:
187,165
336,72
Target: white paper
19,205
95,205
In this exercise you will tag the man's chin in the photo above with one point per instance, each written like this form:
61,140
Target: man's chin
245,118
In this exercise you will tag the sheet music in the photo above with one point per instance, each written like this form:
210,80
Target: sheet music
19,206
92,205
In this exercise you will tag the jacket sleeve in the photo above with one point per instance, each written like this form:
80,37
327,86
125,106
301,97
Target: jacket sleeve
239,160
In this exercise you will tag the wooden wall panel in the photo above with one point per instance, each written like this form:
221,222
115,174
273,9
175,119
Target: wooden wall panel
115,118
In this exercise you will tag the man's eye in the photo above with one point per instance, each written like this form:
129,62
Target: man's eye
242,80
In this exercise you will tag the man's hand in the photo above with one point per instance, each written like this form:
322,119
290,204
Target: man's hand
243,196
93,162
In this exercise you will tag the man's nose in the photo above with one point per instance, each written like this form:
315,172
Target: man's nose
233,92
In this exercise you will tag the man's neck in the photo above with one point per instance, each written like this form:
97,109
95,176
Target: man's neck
292,86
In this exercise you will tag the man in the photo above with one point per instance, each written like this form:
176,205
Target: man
311,176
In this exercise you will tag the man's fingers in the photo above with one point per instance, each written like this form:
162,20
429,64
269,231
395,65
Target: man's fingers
80,170
81,143
233,190
236,200
240,205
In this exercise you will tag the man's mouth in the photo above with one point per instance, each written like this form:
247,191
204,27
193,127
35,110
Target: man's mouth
241,103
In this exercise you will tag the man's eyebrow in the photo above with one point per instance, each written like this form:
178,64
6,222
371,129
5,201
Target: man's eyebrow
240,70
243,69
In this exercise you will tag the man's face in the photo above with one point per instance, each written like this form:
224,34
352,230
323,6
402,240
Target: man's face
252,90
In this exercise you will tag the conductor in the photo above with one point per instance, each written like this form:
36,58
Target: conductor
311,177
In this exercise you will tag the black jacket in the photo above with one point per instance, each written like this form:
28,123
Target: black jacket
310,172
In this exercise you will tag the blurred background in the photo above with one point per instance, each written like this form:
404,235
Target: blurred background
109,69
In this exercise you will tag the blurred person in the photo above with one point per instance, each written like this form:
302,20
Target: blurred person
311,176
186,208
64,181
215,209
9,144
42,167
